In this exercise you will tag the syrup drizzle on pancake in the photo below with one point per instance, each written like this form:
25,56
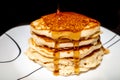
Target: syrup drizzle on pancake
68,21
56,54
76,57
56,60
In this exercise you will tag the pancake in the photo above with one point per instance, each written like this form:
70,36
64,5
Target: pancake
42,40
67,65
65,25
66,43
64,52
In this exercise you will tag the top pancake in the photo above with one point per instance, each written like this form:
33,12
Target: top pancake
65,25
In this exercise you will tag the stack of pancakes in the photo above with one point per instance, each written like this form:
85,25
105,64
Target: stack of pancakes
66,43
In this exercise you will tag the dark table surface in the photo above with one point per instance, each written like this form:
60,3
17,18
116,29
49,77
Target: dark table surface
19,12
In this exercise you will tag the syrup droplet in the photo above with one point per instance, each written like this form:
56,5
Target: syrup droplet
58,11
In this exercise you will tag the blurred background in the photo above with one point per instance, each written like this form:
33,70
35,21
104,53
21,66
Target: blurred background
20,12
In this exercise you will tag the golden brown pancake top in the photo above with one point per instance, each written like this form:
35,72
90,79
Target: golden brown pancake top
67,21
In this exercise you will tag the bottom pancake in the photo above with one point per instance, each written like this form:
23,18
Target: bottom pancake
66,65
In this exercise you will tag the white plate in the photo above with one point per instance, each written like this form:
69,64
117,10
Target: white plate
14,64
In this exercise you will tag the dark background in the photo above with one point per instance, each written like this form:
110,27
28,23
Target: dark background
20,12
